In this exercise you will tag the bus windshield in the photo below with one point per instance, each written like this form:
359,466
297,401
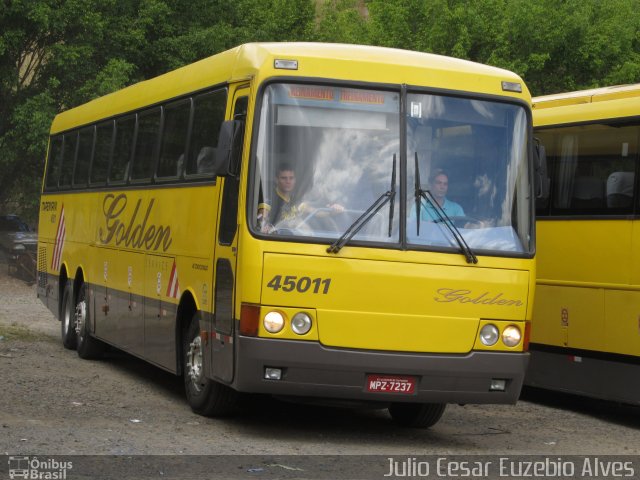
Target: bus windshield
325,155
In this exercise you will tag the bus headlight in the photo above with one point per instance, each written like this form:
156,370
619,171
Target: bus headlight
273,322
511,336
301,323
489,334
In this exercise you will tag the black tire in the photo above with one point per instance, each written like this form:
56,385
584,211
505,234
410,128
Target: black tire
417,415
205,396
89,348
68,319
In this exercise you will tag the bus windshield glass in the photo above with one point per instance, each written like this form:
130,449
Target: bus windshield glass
469,156
326,155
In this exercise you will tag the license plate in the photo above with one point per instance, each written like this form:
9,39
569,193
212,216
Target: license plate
391,384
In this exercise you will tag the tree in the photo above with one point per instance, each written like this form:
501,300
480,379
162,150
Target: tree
554,45
571,45
341,21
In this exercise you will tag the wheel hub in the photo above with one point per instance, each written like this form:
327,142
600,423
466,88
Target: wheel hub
80,316
194,362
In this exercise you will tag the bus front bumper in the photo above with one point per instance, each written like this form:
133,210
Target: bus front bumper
312,370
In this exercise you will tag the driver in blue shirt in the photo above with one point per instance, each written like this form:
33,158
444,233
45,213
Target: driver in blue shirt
438,186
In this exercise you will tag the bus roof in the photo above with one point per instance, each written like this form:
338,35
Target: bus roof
256,60
606,103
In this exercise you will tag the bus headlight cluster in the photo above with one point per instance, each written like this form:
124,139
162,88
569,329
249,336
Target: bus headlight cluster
511,336
489,335
274,321
301,323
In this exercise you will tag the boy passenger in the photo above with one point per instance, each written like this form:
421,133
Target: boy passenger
284,207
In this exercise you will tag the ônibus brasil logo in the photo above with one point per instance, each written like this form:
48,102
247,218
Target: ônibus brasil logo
35,468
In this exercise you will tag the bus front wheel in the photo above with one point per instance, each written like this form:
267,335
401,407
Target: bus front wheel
417,415
205,396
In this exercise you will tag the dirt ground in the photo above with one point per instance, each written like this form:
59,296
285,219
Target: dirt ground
52,402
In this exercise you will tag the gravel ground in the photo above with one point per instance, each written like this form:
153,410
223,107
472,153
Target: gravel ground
55,403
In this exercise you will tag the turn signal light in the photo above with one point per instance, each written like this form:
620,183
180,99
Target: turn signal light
249,319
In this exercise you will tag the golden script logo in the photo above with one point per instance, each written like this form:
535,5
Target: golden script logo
450,295
135,233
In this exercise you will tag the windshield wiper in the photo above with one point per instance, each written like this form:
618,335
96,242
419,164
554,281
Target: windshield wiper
361,221
442,216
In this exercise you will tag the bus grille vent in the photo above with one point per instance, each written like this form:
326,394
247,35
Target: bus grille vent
42,267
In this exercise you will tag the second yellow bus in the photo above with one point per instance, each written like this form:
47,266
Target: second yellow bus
586,327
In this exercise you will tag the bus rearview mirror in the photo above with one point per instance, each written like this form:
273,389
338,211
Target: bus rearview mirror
228,153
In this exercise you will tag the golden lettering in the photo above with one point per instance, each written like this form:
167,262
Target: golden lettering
449,295
131,234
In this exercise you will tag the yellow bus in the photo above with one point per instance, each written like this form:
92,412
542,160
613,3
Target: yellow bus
586,328
262,221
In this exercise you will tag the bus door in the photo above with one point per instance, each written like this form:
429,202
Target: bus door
222,349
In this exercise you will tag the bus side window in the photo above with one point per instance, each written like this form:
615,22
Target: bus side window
147,135
102,153
68,159
594,169
85,151
119,169
207,117
53,165
174,139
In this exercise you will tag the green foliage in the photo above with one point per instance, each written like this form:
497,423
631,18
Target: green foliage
56,54
554,45
569,45
341,21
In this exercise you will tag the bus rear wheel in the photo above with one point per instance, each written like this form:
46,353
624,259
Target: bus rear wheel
89,348
205,396
68,319
417,415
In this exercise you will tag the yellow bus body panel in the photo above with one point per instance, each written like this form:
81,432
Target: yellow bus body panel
584,251
606,98
622,322
398,305
121,234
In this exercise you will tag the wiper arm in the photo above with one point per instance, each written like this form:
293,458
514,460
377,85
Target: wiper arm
392,190
417,193
442,216
361,221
